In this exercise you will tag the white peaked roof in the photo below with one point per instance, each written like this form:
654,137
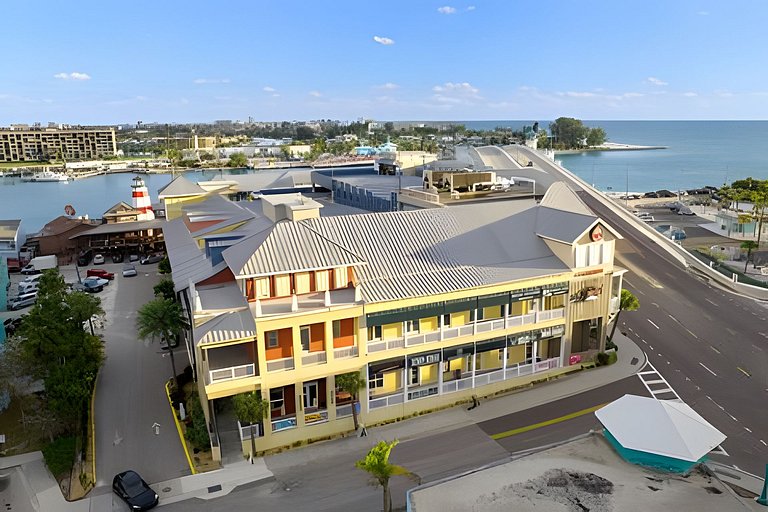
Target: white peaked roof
561,197
661,427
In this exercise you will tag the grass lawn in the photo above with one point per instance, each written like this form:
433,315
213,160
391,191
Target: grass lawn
59,456
11,165
18,438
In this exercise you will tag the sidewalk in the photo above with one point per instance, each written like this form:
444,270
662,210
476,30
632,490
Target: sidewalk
42,494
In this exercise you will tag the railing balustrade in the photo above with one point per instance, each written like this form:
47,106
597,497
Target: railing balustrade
280,364
340,353
314,358
233,372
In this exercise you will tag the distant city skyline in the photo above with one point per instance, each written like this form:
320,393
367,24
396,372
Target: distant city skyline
96,63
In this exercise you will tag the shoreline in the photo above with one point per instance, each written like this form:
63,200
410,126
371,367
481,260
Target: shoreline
610,146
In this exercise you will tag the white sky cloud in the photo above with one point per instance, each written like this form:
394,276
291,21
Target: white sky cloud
690,94
389,85
72,76
462,87
655,81
383,40
269,89
211,81
447,9
471,8
315,94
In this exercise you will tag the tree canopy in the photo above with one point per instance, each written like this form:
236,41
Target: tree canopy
238,160
162,319
55,347
570,133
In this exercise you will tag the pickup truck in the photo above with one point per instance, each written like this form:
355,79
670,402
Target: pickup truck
100,272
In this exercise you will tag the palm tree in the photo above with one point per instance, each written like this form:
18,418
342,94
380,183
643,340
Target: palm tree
351,382
164,319
748,245
251,408
377,464
627,302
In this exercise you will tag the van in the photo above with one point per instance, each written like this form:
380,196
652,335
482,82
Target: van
22,301
32,279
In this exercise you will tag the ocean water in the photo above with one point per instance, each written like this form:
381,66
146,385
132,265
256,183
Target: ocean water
698,153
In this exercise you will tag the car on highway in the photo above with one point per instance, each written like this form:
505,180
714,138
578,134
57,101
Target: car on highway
151,258
136,493
98,259
100,272
129,271
648,218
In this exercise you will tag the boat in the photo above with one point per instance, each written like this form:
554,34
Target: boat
46,176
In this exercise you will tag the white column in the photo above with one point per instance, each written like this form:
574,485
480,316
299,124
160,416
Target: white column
504,361
367,391
534,354
440,378
474,363
406,376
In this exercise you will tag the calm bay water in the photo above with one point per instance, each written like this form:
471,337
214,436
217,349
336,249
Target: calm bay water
698,153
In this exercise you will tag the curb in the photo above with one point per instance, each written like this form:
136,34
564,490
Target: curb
178,429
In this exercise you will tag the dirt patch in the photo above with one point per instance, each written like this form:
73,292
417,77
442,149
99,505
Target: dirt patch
578,491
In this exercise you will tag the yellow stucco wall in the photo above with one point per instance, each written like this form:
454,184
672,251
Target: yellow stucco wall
492,312
515,354
173,205
391,331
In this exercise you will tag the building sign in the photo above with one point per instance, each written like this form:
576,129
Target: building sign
586,294
555,289
596,234
424,359
525,294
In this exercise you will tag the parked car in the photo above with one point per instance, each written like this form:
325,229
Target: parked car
11,324
648,218
151,258
22,301
134,490
98,259
133,257
100,272
87,288
117,257
95,281
28,287
84,257
129,271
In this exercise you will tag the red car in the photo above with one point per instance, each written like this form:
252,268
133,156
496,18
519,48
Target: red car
99,272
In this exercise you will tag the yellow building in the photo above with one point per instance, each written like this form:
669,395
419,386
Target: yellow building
431,306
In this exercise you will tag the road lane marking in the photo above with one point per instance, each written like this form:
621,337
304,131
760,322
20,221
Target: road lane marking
713,303
717,404
651,322
691,333
515,431
732,417
673,318
764,443
733,333
654,304
742,370
756,347
745,428
713,348
710,371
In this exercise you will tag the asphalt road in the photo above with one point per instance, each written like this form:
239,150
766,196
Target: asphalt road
711,345
130,393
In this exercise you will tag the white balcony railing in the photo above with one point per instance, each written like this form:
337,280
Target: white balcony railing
376,346
551,314
457,385
418,339
280,364
422,392
314,358
386,401
455,332
245,431
233,372
344,352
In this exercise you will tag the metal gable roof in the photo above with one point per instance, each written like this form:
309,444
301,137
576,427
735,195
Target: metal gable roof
238,325
180,186
295,247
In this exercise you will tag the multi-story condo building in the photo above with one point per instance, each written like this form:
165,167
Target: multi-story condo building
37,144
432,306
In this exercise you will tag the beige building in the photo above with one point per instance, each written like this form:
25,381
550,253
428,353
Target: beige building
31,145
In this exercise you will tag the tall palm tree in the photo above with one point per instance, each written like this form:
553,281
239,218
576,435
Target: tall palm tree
377,464
627,302
251,408
352,383
162,319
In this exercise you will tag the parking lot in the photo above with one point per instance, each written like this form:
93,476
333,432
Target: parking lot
696,236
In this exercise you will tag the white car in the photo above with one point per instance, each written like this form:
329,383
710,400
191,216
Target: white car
98,259
129,271
648,218
94,281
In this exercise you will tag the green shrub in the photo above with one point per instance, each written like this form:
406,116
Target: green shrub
609,344
164,267
612,357
197,430
601,359
60,455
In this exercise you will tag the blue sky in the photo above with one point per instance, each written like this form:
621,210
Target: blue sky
113,62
